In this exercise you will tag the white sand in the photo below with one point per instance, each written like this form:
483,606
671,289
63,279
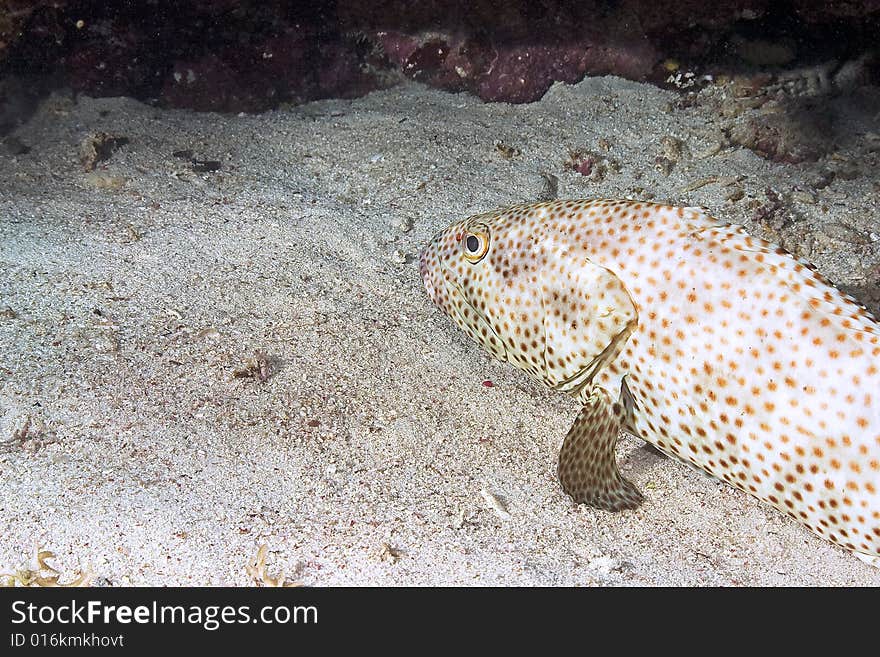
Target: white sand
134,306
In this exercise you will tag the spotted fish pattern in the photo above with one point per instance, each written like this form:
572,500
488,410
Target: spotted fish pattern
719,348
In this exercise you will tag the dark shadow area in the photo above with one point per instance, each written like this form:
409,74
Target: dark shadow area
867,295
251,56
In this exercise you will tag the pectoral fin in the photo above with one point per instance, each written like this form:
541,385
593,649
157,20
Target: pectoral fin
587,463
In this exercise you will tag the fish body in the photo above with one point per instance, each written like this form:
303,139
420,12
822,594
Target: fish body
717,347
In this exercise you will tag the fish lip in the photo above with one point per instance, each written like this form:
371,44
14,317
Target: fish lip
423,267
426,276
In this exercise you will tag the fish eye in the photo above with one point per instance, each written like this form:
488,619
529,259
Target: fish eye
475,245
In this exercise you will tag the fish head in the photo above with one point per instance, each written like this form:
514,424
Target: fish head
484,273
519,282
467,272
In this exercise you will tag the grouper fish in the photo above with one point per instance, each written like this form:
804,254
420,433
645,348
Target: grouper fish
718,348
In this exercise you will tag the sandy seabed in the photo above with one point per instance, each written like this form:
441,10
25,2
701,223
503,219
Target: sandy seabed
137,302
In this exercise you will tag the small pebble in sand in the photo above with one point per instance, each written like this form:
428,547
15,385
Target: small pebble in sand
663,164
387,552
258,368
495,504
671,147
105,181
550,187
734,194
603,565
506,151
97,148
803,197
